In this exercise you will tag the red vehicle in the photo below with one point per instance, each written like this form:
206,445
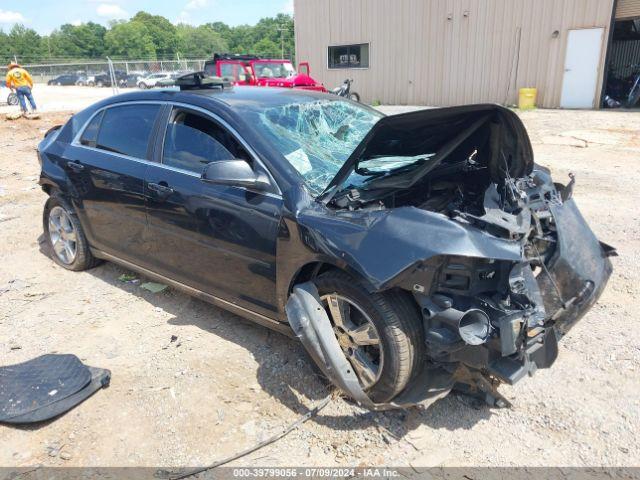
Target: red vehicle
262,72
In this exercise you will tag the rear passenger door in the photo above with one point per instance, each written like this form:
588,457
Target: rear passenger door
106,166
218,239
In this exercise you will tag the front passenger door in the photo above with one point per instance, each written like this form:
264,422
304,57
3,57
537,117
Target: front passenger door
218,239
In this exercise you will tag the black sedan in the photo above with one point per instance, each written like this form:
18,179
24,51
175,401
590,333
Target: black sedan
410,254
67,79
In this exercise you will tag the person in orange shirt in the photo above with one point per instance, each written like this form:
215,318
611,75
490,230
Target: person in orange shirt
19,80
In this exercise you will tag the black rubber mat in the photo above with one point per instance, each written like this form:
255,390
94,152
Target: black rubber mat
45,387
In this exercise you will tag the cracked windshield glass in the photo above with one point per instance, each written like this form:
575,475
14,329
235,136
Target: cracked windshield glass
317,137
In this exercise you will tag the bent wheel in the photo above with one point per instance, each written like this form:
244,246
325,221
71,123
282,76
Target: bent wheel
357,336
380,334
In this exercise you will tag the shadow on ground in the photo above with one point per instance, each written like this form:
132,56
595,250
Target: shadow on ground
285,371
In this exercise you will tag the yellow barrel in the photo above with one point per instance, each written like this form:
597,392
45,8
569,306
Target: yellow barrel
527,98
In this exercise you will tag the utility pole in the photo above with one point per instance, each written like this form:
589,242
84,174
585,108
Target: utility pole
282,29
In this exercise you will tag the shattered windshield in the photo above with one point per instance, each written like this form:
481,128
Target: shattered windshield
318,136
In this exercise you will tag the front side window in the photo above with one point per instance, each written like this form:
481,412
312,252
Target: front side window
227,70
126,129
192,141
349,56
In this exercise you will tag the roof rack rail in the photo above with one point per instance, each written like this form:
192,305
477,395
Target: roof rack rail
200,80
234,56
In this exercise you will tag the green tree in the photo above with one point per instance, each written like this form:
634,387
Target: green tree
266,48
131,40
77,41
25,43
162,32
5,51
199,42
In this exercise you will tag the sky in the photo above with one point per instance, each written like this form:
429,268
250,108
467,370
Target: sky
44,16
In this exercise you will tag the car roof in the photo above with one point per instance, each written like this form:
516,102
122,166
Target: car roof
238,99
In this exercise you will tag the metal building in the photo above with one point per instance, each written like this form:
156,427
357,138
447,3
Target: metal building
449,52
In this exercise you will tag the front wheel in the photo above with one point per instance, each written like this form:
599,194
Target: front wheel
142,85
354,96
65,237
379,333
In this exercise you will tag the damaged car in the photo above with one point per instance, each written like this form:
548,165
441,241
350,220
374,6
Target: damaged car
411,254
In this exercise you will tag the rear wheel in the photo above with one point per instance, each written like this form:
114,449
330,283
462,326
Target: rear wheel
379,333
142,85
65,237
100,84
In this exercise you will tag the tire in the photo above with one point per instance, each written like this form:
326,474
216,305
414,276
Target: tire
12,99
91,84
354,96
142,85
397,323
100,84
83,259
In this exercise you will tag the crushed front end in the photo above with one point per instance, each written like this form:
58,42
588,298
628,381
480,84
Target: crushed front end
449,205
489,321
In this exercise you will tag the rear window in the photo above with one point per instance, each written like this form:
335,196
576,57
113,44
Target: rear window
126,129
90,134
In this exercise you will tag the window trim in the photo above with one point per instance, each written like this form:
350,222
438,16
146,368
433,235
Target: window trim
77,140
162,118
348,45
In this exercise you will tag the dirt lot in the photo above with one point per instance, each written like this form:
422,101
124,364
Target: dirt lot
225,384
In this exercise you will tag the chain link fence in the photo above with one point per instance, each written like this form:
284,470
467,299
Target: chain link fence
89,69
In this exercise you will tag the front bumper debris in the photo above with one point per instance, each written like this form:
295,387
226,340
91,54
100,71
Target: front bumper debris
474,343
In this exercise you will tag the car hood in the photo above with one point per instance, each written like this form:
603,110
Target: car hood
502,142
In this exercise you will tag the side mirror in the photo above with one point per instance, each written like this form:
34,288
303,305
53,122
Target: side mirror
236,173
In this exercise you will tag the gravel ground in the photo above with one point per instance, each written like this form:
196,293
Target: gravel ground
224,384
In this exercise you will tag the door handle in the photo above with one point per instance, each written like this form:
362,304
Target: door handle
159,188
75,166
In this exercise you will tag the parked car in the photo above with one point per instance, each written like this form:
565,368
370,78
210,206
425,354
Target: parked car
102,80
66,79
409,253
129,81
152,80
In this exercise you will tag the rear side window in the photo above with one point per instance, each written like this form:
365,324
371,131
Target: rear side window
90,134
126,129
192,141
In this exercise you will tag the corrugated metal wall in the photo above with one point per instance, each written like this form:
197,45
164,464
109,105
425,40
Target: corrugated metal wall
628,9
624,56
447,52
